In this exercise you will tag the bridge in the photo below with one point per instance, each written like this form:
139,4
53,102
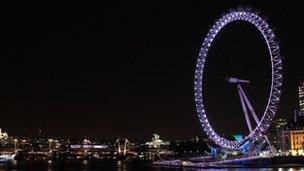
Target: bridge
123,147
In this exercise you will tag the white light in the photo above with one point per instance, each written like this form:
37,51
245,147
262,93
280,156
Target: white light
276,83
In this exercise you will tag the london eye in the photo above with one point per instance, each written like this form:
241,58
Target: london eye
257,122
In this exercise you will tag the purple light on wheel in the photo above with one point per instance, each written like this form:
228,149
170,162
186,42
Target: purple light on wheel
276,77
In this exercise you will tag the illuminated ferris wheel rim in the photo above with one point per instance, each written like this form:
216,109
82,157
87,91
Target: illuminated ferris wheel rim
276,77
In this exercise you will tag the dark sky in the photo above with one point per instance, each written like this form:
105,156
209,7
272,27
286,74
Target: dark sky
122,69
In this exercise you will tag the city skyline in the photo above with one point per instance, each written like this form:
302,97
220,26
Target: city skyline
121,69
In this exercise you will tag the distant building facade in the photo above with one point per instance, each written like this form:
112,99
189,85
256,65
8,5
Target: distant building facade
157,142
301,96
285,142
297,142
293,137
275,134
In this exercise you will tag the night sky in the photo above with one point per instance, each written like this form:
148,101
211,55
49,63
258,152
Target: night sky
122,69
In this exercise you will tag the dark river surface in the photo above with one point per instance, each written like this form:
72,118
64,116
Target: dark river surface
124,166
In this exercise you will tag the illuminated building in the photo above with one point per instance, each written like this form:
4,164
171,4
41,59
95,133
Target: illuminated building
156,142
285,135
293,137
276,135
3,135
157,147
297,142
301,96
280,124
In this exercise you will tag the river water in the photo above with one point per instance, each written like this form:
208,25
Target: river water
125,166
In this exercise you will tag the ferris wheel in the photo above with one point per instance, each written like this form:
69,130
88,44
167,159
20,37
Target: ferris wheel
262,123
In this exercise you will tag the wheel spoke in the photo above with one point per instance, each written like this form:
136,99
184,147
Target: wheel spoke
276,79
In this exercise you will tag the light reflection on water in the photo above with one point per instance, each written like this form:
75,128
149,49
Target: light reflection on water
121,166
230,169
171,169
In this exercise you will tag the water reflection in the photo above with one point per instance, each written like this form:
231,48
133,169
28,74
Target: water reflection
229,169
125,166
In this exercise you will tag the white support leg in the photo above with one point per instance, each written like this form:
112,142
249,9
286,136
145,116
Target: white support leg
244,108
256,119
272,149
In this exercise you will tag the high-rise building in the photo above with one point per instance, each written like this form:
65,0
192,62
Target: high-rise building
301,96
275,133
